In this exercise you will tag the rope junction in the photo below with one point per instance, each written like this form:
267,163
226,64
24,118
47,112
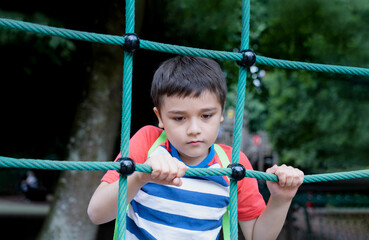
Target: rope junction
127,97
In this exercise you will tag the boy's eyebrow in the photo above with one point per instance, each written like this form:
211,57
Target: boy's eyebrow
176,112
209,109
202,110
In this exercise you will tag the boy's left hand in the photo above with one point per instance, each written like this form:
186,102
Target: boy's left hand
289,181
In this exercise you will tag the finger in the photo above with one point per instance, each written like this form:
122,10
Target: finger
164,171
294,179
272,169
301,177
181,171
173,170
281,179
281,174
291,177
177,182
182,168
155,165
297,178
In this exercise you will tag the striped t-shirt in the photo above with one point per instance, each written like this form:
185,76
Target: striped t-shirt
191,211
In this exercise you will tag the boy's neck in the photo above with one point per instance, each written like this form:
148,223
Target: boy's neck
191,162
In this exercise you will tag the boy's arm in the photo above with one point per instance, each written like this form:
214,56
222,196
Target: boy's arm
269,224
103,205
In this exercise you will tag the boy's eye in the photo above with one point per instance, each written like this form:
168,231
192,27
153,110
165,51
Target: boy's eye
178,118
206,116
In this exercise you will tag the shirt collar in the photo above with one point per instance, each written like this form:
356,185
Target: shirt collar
203,164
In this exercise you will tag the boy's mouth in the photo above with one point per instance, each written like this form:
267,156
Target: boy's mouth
195,143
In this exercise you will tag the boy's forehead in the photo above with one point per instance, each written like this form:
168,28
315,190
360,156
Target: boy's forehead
204,98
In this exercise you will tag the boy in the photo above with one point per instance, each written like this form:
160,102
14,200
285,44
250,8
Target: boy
189,95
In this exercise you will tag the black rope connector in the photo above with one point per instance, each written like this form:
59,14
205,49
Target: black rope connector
131,42
248,58
238,171
127,166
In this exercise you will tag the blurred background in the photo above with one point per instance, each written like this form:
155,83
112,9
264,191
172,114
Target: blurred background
60,99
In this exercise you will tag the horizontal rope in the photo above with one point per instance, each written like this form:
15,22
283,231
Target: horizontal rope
61,32
315,67
191,172
198,52
175,49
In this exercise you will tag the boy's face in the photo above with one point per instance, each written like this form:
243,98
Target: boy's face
191,124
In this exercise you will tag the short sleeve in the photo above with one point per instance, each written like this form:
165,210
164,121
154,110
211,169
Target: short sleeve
139,146
250,202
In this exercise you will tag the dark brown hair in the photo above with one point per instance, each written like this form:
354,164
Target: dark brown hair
188,76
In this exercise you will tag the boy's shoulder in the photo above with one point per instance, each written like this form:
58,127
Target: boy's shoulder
150,128
228,150
149,131
145,137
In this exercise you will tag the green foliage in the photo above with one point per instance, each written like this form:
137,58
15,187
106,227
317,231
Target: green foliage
213,24
315,123
192,22
318,121
324,31
56,49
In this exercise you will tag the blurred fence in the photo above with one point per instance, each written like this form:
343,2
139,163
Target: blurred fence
330,223
328,211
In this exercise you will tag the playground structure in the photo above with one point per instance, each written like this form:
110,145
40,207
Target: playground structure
131,42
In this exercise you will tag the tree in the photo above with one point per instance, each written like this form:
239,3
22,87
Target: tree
95,127
317,121
95,135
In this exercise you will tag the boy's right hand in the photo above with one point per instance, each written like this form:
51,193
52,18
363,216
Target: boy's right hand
166,169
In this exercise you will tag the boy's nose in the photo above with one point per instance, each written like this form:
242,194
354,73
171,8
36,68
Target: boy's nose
193,128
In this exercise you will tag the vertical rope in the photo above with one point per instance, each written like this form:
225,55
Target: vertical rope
126,120
245,24
122,209
241,92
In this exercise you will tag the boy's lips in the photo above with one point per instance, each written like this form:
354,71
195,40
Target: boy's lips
195,142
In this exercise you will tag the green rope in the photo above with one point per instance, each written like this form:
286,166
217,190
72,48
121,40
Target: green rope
61,32
311,66
240,106
126,120
175,49
7,162
241,94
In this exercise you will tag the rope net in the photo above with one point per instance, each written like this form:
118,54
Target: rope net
126,106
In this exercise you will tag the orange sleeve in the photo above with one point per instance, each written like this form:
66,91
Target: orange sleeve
250,202
139,146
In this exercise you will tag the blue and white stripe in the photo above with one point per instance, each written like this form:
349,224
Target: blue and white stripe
191,211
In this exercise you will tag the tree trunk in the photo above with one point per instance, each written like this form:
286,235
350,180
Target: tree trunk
97,126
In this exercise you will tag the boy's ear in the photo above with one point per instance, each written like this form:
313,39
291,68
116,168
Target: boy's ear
156,111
